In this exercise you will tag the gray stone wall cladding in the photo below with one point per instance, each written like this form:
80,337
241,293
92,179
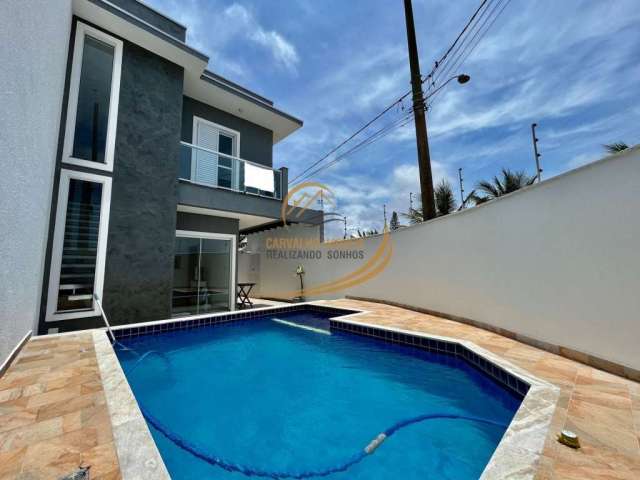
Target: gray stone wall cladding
140,246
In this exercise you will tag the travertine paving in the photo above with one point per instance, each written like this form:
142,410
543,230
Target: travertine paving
53,414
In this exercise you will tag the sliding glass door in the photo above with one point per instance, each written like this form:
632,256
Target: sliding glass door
204,273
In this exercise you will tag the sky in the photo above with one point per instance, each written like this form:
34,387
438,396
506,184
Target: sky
571,66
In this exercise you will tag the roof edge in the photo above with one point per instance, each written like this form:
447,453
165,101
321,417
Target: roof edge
250,97
137,21
220,78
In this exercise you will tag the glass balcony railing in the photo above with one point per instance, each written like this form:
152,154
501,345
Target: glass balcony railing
215,169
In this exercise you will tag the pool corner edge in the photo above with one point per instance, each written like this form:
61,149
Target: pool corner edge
138,455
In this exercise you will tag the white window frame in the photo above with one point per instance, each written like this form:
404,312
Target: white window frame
232,273
82,30
58,243
235,152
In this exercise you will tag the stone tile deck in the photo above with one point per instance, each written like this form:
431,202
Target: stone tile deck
53,414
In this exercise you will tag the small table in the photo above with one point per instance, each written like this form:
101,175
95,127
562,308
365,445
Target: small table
244,289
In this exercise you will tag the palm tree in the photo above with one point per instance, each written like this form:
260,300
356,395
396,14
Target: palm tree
510,182
445,203
615,147
414,215
445,200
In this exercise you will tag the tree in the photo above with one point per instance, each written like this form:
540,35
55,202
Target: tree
414,215
445,200
394,224
615,147
510,182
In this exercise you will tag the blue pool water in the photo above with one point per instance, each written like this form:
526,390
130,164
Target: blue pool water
274,397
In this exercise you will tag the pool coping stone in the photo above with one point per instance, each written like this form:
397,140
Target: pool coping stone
517,455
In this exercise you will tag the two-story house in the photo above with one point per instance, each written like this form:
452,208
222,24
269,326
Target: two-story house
161,164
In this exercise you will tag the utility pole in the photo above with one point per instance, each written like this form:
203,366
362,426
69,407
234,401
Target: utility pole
345,228
535,151
461,188
384,207
424,160
410,201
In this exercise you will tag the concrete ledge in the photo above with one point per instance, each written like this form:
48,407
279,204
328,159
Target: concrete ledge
571,354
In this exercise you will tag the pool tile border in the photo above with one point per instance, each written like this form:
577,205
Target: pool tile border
516,456
519,453
442,346
187,323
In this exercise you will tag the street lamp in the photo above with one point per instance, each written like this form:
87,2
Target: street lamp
462,79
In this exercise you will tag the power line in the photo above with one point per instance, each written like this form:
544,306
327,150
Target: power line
438,63
377,135
307,172
364,143
463,56
333,150
461,45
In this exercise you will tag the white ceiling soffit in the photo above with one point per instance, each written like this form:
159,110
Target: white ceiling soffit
245,221
210,91
141,33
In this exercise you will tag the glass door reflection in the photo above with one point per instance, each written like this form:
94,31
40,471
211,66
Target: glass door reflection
185,276
202,275
215,264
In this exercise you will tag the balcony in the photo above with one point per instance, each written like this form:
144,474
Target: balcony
201,166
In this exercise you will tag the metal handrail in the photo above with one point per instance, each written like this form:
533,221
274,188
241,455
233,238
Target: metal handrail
277,194
208,150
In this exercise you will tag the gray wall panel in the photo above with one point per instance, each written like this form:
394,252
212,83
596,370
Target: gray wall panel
206,223
139,266
256,142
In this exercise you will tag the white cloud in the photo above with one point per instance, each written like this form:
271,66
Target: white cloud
215,34
243,22
362,201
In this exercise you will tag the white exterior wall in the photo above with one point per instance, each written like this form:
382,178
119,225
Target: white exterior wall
34,37
558,262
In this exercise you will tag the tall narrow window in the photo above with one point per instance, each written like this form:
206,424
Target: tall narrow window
79,246
92,115
93,99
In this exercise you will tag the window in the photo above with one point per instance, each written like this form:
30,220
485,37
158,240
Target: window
203,274
79,245
210,168
93,99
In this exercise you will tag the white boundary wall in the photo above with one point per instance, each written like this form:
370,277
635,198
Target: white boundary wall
558,262
34,38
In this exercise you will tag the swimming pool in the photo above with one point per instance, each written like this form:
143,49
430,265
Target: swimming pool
284,392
